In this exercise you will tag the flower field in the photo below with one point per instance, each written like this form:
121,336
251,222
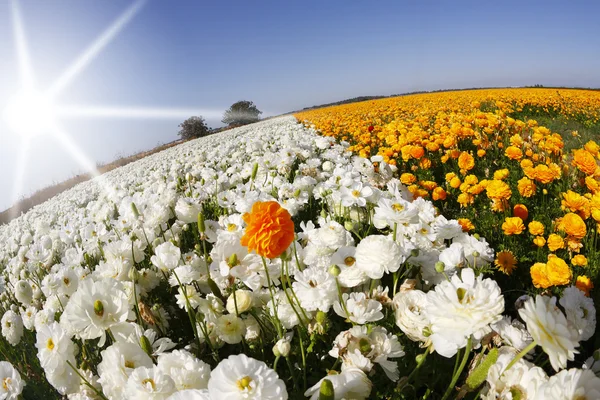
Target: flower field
434,246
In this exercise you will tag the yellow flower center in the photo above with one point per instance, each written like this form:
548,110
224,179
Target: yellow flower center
50,344
349,261
129,364
398,207
98,308
244,383
356,193
231,227
150,381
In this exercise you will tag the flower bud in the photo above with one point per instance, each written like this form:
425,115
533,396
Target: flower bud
335,270
282,348
419,358
133,274
135,211
440,267
185,227
243,298
349,225
321,317
146,346
233,260
201,225
326,391
254,171
414,252
476,254
476,236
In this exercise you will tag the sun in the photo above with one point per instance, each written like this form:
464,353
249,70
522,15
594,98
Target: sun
29,113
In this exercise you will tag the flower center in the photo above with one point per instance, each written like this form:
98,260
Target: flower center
150,381
355,193
312,283
66,281
364,345
397,207
50,344
5,383
244,383
231,227
349,261
129,364
98,308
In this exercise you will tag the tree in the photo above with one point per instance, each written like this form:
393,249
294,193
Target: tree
193,127
241,113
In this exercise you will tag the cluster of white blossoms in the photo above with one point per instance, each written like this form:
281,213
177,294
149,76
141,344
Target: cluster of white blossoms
137,285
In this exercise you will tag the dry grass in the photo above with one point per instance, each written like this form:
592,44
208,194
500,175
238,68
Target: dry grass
48,192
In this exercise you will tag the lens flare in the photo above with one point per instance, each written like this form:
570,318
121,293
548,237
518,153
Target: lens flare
29,113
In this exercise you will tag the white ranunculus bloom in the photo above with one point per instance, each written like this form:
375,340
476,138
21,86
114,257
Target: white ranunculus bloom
360,309
580,311
351,383
513,333
315,288
12,327
190,394
550,329
377,255
166,256
571,384
242,377
149,383
462,308
118,362
411,316
12,384
23,292
185,369
95,307
230,328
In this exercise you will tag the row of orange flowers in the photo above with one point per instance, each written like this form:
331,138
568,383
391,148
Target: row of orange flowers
464,151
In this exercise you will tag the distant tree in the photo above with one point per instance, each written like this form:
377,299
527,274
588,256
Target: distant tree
241,113
193,127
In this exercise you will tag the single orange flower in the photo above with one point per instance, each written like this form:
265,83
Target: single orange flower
270,229
520,210
513,226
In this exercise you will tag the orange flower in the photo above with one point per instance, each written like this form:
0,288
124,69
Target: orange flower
439,194
555,242
539,277
584,161
505,261
539,241
543,174
455,182
579,260
466,161
466,224
501,174
520,210
407,178
573,225
536,228
514,153
526,187
269,230
592,147
498,190
584,284
513,226
558,271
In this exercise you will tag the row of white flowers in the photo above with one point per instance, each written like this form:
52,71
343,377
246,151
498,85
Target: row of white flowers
101,276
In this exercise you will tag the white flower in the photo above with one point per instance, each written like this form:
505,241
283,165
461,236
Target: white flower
360,309
243,301
11,384
149,384
351,383
55,348
315,288
12,327
23,292
356,194
230,328
396,211
377,255
166,256
550,329
187,210
411,316
461,308
95,307
349,276
513,333
190,394
118,362
580,311
187,371
283,346
523,378
572,384
242,377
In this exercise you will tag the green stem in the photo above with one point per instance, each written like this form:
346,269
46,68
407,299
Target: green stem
86,382
414,371
520,355
460,370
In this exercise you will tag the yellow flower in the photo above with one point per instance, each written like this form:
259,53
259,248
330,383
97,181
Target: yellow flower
539,277
573,225
514,153
513,226
584,284
539,241
501,174
526,187
498,190
579,260
559,272
536,228
466,224
407,178
555,242
466,161
584,161
505,261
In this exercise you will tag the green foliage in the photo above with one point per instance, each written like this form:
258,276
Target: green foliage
241,113
193,127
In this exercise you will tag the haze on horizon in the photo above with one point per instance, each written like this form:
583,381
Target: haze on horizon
283,56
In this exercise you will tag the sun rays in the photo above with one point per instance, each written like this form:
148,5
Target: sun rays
33,111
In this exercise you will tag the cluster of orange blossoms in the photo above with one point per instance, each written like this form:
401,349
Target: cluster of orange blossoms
481,157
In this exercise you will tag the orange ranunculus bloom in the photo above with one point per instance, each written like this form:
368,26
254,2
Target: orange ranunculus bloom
574,202
269,230
539,241
514,153
592,147
584,284
498,190
520,210
513,226
466,161
455,182
539,276
555,242
573,225
543,174
584,161
466,224
579,260
439,194
501,174
553,273
536,228
526,187
407,178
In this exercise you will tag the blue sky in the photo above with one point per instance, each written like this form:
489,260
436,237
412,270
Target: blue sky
283,55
